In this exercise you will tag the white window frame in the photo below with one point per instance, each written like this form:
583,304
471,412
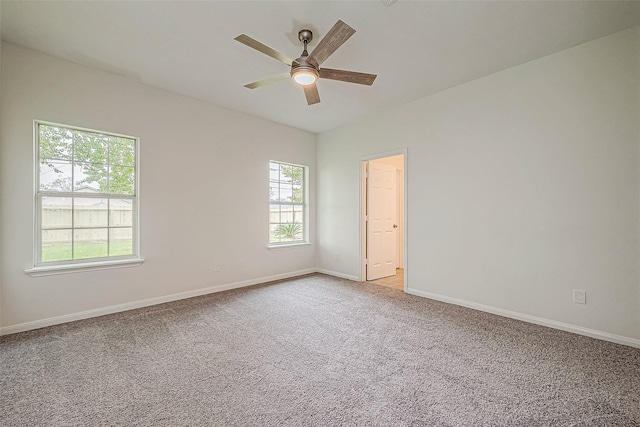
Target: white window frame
304,204
100,263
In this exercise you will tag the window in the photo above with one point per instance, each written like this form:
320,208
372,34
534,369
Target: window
86,196
287,208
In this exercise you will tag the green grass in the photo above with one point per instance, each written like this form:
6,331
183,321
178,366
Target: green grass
62,251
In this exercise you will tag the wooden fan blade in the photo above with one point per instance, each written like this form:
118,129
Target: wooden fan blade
311,92
260,47
348,76
267,81
337,35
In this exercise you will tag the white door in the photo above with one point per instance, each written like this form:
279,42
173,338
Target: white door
381,223
400,218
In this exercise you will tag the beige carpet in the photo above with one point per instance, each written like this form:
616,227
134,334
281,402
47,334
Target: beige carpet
314,351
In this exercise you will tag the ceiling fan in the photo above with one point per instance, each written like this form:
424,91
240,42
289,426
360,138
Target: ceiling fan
306,69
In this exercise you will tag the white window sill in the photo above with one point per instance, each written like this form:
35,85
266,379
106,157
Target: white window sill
288,245
50,270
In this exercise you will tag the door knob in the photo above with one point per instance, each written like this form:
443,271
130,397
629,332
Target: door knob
395,225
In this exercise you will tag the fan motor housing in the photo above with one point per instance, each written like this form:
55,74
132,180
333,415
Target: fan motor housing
301,65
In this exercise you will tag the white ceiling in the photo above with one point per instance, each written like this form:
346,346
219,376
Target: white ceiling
417,48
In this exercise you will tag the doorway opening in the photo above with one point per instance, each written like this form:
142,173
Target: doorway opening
383,237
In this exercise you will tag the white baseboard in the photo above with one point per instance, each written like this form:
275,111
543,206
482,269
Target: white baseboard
336,274
37,324
605,336
27,326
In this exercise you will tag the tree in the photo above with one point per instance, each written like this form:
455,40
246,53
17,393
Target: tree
296,175
104,161
62,183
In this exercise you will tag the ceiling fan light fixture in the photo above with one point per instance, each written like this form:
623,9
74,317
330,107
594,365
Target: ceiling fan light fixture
305,76
306,70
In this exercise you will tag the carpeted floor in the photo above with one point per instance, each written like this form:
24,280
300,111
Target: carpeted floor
314,351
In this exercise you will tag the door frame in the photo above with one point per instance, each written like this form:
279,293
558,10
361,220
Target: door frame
363,209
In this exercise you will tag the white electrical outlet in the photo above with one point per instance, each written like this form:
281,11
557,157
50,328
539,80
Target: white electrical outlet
216,266
579,296
337,257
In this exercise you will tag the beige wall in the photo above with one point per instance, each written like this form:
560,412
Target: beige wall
638,137
204,191
522,186
1,193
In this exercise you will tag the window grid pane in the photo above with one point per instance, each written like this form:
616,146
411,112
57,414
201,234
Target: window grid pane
57,245
78,218
90,243
55,175
287,208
